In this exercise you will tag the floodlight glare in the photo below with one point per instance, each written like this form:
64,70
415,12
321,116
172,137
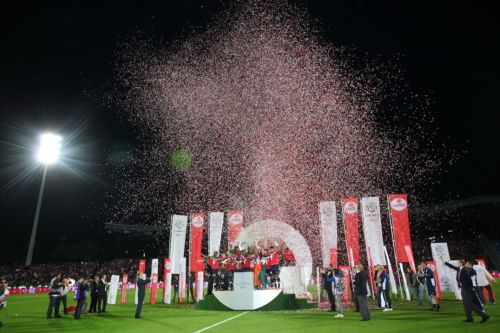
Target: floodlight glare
49,148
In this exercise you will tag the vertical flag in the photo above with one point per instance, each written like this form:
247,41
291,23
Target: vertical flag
167,281
328,218
372,227
199,285
177,241
123,299
351,220
482,263
235,224
142,269
197,221
113,289
215,232
432,266
447,281
154,283
398,206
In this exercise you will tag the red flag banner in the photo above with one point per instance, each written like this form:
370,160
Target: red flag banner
346,295
142,266
482,263
235,224
432,266
154,282
399,211
124,289
197,221
167,281
351,221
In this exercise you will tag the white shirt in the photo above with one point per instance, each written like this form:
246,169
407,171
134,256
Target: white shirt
3,296
482,276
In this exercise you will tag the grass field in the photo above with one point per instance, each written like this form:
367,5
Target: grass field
26,313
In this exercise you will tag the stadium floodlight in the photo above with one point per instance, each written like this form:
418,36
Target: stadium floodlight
49,148
49,151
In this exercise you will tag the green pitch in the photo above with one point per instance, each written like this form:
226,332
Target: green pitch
26,313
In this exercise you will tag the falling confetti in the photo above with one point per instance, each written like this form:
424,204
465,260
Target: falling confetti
258,112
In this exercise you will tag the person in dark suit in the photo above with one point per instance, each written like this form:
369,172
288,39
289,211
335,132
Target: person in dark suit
328,286
141,292
354,270
94,295
466,290
101,294
361,292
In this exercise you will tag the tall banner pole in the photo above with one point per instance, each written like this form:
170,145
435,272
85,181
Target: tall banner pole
447,276
351,223
393,245
215,232
123,299
318,285
113,289
328,218
235,224
154,283
167,281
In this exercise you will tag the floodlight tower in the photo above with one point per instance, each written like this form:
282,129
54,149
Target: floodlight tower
48,153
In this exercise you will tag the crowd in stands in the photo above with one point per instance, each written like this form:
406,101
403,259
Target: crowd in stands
41,275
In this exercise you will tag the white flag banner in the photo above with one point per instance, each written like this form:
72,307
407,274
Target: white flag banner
154,266
199,286
446,275
372,227
328,217
168,289
113,289
177,241
215,232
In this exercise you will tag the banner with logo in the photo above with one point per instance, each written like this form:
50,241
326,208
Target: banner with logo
398,206
372,227
215,232
195,259
235,224
167,281
328,219
177,241
346,295
142,268
182,279
482,263
447,275
154,283
432,266
351,221
113,289
123,299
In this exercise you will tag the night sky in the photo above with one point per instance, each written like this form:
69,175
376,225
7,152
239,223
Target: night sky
57,57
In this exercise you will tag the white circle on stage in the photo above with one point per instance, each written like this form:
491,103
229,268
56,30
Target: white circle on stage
290,236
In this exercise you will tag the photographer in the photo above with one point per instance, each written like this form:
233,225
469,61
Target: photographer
81,296
55,297
4,295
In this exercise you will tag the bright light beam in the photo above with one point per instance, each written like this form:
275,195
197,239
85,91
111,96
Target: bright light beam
49,151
